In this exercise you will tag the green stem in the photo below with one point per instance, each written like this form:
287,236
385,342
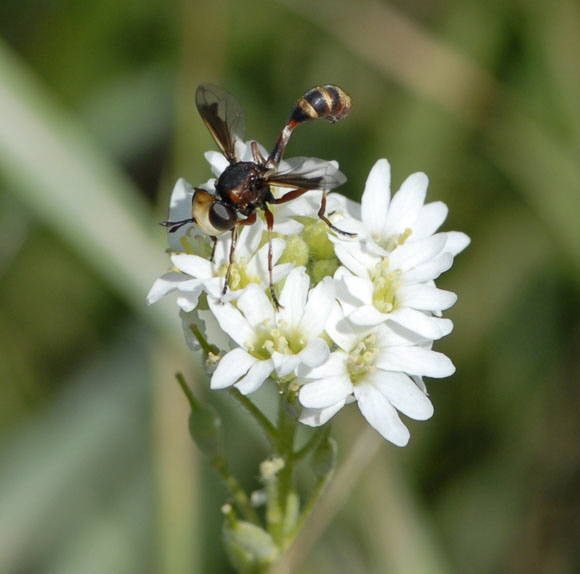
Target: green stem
239,496
321,484
206,347
317,437
193,402
268,428
279,515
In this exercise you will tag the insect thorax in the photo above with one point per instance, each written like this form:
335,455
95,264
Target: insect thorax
242,185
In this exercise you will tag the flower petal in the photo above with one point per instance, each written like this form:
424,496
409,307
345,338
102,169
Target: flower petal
293,296
429,270
231,321
256,307
166,284
353,257
187,301
381,415
342,331
316,353
420,323
403,394
325,392
376,197
415,360
425,297
353,290
407,203
217,161
318,417
318,307
254,378
193,265
334,366
368,316
213,332
414,253
430,219
284,364
456,241
179,210
232,367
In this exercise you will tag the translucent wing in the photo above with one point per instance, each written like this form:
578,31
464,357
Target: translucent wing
307,173
223,117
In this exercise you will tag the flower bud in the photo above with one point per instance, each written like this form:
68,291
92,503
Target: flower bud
249,547
205,426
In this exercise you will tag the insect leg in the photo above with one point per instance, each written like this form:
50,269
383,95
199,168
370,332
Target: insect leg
288,196
214,241
248,221
321,214
257,156
293,194
270,225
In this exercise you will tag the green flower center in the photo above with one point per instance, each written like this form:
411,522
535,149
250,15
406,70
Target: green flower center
313,249
239,276
361,360
278,337
389,243
386,284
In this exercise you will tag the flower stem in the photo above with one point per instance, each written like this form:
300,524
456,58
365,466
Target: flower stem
240,498
219,462
321,484
317,437
268,428
281,512
186,390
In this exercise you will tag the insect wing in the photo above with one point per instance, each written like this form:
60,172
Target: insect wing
307,173
223,116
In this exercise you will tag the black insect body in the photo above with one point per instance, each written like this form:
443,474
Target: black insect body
245,186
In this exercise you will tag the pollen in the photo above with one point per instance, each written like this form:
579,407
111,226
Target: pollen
390,242
240,276
386,283
277,338
361,360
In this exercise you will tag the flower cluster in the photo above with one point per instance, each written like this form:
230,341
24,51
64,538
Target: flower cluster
358,313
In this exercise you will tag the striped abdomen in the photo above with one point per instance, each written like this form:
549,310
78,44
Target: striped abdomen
328,102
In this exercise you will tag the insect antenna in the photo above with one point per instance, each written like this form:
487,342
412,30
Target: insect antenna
175,225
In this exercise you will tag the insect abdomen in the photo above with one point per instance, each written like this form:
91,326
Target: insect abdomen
328,102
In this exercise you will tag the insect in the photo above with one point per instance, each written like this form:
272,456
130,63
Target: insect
245,186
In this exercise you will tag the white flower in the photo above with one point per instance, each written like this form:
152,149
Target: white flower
381,309
380,368
389,222
398,287
389,270
195,274
271,340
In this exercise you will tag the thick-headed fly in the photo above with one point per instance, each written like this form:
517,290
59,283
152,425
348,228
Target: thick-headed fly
245,186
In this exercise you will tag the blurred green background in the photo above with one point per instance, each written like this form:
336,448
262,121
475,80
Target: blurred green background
97,121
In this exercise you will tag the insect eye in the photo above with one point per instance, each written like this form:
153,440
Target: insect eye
221,216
